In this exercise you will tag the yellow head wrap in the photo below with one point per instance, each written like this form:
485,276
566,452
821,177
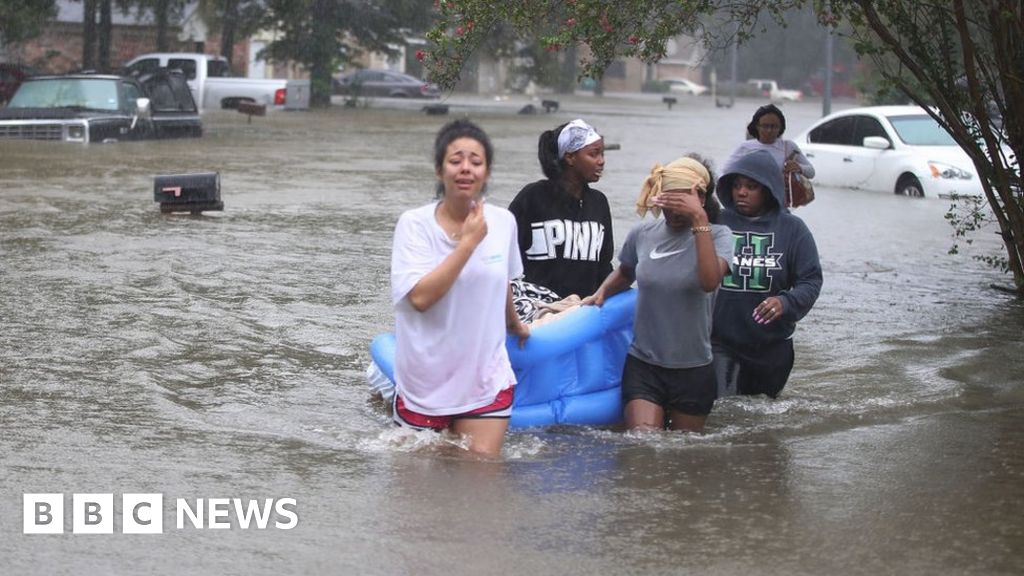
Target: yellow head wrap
681,174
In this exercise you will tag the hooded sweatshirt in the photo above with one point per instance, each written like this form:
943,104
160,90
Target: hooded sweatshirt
775,255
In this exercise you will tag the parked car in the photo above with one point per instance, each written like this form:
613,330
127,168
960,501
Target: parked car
384,83
771,89
684,86
899,149
11,76
101,108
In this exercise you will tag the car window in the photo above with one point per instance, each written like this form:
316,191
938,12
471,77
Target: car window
169,93
161,96
217,69
867,126
182,93
67,92
838,131
920,130
187,66
143,66
131,93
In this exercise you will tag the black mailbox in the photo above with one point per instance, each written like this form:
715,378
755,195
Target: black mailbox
188,192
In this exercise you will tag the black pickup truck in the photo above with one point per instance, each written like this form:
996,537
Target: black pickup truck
101,108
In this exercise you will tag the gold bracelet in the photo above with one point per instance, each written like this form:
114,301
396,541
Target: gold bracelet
697,229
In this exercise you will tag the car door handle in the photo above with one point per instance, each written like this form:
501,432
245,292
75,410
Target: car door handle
809,154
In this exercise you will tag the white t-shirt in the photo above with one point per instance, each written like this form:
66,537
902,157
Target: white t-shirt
451,358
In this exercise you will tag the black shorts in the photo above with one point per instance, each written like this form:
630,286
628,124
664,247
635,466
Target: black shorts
765,371
691,391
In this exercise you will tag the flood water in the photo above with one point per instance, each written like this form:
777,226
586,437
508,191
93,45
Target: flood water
222,356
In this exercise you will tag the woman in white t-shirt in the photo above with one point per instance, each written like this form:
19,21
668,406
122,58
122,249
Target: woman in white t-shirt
451,265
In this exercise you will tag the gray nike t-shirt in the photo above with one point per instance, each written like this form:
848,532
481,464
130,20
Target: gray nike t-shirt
672,326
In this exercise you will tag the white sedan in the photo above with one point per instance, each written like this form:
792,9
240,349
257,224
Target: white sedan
684,86
899,149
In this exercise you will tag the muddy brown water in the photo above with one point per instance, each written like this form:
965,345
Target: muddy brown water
222,356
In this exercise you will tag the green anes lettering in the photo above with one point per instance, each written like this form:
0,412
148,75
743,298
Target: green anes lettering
752,262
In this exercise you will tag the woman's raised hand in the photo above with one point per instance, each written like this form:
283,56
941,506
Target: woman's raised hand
686,203
474,227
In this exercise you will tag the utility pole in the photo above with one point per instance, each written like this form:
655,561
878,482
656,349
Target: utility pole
826,102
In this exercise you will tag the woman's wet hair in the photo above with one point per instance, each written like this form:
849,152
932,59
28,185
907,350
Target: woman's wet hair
766,109
547,153
711,206
452,131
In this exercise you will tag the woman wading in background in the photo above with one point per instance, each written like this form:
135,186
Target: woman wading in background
564,225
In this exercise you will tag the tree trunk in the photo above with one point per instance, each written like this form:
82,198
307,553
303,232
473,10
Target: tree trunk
567,79
321,61
88,34
229,23
106,29
160,10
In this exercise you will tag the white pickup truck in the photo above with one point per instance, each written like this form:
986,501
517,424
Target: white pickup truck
770,88
208,78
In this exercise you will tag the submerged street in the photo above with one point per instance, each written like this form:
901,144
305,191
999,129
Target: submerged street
223,356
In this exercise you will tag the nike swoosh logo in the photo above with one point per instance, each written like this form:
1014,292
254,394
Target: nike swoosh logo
656,255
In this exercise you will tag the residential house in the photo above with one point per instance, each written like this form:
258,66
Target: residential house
59,48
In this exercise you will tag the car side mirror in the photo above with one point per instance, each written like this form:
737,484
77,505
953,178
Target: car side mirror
877,143
142,107
142,110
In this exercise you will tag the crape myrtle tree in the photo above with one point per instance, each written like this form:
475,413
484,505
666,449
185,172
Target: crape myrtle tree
321,34
962,59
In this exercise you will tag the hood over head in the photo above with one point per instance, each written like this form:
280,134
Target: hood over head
758,165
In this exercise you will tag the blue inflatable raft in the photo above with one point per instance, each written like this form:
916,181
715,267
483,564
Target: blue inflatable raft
570,370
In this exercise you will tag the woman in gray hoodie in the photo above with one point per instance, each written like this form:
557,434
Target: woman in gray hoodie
775,279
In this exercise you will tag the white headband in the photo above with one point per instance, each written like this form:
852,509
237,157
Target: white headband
576,135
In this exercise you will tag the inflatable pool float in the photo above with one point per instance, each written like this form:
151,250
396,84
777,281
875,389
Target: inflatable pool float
569,372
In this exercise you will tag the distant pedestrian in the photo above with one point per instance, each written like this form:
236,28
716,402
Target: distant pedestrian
764,132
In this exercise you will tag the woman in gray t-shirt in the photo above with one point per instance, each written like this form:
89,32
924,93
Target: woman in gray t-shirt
678,262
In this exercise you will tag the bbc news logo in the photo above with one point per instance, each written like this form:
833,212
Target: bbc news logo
144,513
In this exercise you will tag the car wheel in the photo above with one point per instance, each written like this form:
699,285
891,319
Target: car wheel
909,185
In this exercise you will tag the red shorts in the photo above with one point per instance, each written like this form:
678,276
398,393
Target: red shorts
500,408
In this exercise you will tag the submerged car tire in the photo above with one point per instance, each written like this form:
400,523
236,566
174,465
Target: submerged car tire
909,185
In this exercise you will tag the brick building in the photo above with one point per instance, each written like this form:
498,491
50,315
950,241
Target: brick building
59,48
